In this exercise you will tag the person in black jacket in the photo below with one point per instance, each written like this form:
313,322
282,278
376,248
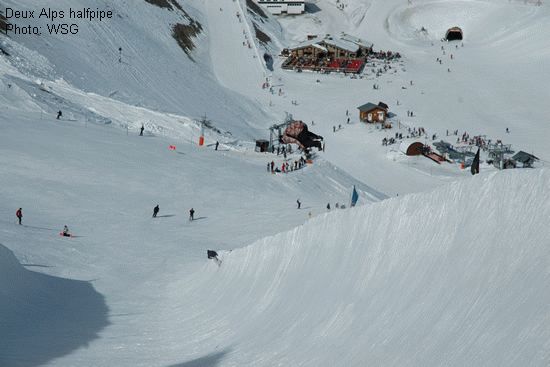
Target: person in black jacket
155,211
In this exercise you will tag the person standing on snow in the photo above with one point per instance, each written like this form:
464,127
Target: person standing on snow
299,203
217,145
141,130
155,211
192,214
59,114
19,215
328,206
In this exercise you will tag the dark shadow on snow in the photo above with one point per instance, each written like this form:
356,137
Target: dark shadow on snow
44,317
209,360
199,218
166,216
44,228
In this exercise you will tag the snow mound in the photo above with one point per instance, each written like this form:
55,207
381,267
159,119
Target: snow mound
481,21
44,317
412,281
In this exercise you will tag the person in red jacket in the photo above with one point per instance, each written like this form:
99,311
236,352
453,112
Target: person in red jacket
19,214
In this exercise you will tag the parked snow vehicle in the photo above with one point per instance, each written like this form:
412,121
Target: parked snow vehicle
298,133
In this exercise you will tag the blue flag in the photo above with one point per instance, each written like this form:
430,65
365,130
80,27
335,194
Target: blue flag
354,197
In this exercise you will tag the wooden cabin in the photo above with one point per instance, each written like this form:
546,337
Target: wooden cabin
372,113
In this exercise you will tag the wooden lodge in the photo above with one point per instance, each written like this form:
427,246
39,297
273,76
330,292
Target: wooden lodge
341,54
372,113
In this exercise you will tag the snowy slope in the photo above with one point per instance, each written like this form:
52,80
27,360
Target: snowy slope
103,184
154,73
459,276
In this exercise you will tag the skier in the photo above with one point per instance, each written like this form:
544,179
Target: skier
19,215
59,114
141,130
299,203
155,211
191,214
65,232
217,145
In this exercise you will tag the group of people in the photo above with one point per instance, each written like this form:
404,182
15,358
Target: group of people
156,210
19,216
286,167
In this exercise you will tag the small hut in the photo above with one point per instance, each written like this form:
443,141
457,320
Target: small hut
526,159
454,34
411,147
371,112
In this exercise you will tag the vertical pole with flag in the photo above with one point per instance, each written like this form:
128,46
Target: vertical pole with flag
354,197
201,138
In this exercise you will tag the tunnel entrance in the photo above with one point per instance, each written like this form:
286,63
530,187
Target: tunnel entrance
454,34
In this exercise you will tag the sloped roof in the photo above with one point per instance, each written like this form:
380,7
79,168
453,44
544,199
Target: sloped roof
357,41
524,157
342,44
369,107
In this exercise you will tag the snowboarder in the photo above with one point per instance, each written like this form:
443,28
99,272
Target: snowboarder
59,114
299,203
65,232
19,215
155,211
192,214
211,254
141,130
217,145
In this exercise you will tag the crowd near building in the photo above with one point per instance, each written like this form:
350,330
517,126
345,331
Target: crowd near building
344,53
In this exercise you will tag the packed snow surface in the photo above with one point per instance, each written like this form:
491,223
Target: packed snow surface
434,267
